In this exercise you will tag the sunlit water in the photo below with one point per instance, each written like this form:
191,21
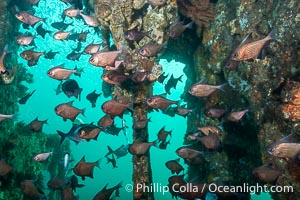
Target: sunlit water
42,104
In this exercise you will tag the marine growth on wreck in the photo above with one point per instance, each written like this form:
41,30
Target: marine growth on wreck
149,99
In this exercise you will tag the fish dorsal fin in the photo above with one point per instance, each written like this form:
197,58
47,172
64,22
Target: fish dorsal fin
202,81
172,77
247,39
36,119
82,159
104,188
163,95
162,129
135,28
70,103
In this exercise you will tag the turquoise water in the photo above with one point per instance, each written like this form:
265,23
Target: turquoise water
42,104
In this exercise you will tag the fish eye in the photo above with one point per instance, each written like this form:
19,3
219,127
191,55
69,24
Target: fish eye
234,55
149,100
172,33
142,51
270,150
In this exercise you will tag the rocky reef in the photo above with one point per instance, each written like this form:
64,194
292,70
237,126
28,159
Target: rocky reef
268,86
18,144
117,17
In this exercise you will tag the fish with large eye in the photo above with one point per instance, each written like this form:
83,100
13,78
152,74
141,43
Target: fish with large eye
102,59
61,35
159,102
151,49
249,50
28,18
71,12
25,40
136,35
3,70
204,90
31,55
178,27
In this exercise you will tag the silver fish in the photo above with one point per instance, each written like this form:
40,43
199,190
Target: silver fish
90,20
61,35
25,40
28,18
3,117
102,59
42,156
204,90
72,12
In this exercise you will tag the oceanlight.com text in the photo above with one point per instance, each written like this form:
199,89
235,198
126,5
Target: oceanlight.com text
189,187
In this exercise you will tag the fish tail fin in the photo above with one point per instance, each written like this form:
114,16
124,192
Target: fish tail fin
130,107
78,72
149,120
46,121
6,50
271,35
62,135
179,102
33,43
118,188
110,151
221,87
165,45
83,111
190,25
148,33
15,116
79,95
180,78
155,143
98,163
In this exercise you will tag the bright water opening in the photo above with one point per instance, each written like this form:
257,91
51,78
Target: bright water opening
42,104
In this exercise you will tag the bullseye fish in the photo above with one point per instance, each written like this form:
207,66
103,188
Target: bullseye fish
251,50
